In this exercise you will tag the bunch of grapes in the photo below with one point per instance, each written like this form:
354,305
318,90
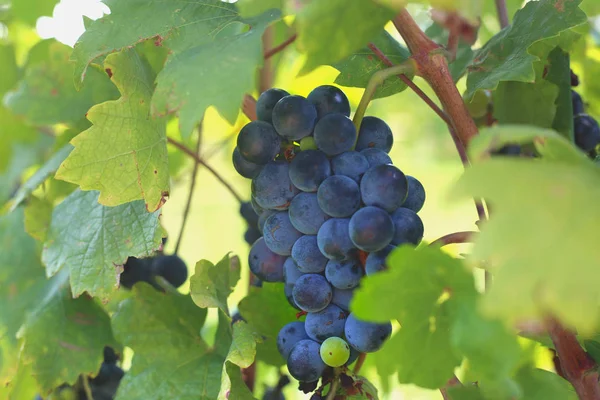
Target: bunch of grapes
331,207
585,127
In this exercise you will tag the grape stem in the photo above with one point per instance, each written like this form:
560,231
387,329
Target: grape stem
210,169
249,107
453,238
576,365
502,13
188,203
270,53
407,67
334,387
86,387
359,362
454,381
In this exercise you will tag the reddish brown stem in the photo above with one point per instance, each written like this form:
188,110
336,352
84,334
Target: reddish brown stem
452,46
452,382
359,362
265,78
453,238
201,161
249,107
249,376
433,67
576,365
270,53
502,13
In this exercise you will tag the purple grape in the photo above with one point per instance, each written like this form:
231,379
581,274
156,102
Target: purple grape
374,133
325,323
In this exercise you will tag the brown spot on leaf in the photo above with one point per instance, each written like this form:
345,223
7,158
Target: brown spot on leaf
109,72
54,92
158,41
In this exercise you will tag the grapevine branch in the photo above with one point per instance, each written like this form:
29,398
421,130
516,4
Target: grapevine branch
265,78
188,204
576,365
502,13
453,238
270,53
210,169
454,381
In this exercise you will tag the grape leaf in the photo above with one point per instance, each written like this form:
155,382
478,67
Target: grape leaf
539,384
176,24
38,214
465,393
124,154
216,73
29,11
64,337
251,8
345,27
470,9
506,56
243,345
211,285
90,240
10,69
268,320
232,384
356,69
559,73
21,273
46,95
168,326
45,171
22,384
530,277
151,322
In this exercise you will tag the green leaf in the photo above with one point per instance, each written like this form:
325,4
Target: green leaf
232,384
218,73
464,52
64,337
176,24
124,155
243,345
345,28
251,8
29,11
159,326
539,384
425,310
22,384
46,95
211,285
465,393
21,273
356,69
530,277
38,214
40,176
470,9
506,57
268,321
91,240
559,73
10,69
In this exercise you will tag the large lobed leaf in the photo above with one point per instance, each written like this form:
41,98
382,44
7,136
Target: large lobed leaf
124,153
540,240
91,240
507,57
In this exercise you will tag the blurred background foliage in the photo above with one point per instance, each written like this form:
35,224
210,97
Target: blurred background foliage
422,148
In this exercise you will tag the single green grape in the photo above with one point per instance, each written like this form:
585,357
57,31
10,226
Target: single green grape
308,143
335,352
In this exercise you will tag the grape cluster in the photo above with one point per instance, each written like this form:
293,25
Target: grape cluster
331,206
170,267
585,127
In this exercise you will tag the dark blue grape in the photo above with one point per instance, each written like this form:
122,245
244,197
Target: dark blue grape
294,117
136,270
258,142
376,157
416,195
587,132
312,292
344,274
353,355
508,150
110,356
266,101
342,298
289,336
371,228
291,273
384,186
237,317
257,209
252,235
257,282
366,337
308,169
408,227
335,134
304,362
272,188
334,239
265,264
247,212
307,255
289,294
170,267
376,261
339,196
108,372
244,167
578,107
326,323
329,99
351,164
279,233
262,218
305,213
374,133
